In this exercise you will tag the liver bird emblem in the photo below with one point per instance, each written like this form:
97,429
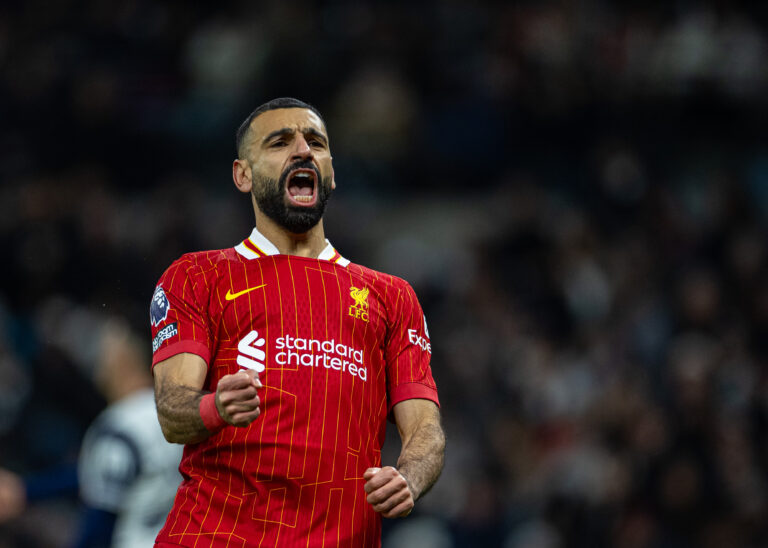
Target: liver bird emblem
360,296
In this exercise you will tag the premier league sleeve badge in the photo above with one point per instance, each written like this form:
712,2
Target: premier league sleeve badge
158,310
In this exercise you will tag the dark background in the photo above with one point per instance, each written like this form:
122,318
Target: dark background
578,192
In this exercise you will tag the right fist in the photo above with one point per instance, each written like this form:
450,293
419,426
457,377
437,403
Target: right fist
237,399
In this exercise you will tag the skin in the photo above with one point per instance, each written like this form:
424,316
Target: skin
306,139
122,368
13,495
393,491
277,139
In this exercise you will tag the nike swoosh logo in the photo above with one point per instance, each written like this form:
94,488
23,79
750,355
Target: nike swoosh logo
232,296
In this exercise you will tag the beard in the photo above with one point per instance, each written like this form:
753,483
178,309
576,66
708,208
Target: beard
270,197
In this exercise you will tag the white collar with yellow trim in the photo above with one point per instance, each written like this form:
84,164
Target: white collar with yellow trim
256,245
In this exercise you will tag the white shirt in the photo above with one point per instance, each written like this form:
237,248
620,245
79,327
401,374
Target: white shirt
128,468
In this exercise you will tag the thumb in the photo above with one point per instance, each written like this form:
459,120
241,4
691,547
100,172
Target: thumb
253,375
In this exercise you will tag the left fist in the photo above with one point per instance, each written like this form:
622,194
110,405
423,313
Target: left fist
388,492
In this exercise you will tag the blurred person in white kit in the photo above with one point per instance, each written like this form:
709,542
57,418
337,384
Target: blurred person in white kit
127,473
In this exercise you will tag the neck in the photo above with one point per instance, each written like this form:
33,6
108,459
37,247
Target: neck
308,244
126,386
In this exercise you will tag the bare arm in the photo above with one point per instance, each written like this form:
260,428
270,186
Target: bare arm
422,456
393,491
178,393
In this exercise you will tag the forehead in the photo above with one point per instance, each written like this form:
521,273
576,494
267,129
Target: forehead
293,118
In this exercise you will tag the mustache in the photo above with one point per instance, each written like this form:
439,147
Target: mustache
301,164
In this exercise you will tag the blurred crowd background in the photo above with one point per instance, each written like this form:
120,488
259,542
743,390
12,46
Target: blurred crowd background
577,190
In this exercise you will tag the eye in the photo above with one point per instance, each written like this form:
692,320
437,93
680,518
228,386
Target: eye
318,143
277,144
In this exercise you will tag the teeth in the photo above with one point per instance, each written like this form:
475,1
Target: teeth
303,198
302,174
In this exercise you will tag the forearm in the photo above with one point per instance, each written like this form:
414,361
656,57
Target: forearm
178,410
421,459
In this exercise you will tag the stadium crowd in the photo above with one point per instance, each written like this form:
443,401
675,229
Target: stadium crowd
577,191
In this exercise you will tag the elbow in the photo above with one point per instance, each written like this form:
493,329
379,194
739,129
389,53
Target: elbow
170,435
175,437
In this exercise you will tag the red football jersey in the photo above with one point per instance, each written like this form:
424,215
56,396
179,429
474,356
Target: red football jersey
336,345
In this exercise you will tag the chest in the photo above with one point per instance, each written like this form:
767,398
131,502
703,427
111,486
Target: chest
304,303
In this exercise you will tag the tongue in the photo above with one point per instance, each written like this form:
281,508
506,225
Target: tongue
300,189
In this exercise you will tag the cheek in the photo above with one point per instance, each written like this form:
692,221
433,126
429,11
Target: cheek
326,168
268,170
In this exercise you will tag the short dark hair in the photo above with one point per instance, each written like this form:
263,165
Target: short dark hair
274,104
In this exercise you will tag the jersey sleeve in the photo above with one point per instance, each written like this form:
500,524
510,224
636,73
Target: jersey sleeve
408,351
177,315
109,463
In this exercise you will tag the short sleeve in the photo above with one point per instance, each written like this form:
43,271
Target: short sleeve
108,465
408,351
177,318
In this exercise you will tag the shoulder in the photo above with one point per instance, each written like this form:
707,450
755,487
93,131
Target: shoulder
132,411
197,267
202,261
377,278
130,419
392,291
110,456
110,460
127,431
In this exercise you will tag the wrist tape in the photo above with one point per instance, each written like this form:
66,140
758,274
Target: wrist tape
210,414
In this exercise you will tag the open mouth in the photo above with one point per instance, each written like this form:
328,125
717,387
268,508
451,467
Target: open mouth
301,187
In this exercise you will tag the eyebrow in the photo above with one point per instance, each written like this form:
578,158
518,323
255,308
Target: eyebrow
290,131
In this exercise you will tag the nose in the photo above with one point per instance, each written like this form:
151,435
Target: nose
302,150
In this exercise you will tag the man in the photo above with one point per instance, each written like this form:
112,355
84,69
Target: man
127,474
277,363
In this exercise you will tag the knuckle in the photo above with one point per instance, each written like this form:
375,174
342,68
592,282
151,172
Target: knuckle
246,420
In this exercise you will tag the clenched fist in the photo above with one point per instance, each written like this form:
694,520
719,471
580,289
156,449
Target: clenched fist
388,492
237,399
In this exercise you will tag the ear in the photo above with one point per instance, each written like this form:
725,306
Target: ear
241,174
333,179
